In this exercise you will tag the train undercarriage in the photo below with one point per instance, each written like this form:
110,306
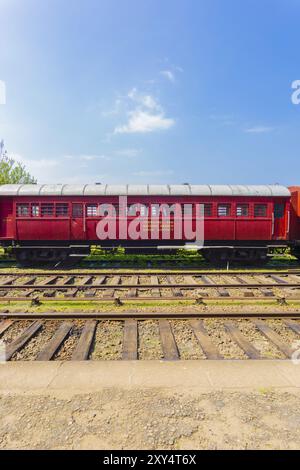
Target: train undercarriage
214,254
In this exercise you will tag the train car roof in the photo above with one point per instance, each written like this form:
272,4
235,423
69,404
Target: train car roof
142,190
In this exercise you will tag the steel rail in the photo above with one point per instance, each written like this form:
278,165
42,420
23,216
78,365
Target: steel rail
151,298
137,299
144,315
136,271
146,286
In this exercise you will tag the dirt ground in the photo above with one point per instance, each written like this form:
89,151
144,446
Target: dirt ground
152,419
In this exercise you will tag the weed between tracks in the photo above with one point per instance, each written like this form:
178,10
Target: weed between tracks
118,261
149,306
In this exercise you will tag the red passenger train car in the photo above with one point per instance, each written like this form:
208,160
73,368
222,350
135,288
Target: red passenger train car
53,222
294,232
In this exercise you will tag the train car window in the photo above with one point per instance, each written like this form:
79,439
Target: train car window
204,210
61,209
260,210
35,210
207,210
22,210
92,210
223,210
77,210
242,210
47,209
278,211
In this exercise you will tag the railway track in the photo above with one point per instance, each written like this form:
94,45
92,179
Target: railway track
64,337
149,286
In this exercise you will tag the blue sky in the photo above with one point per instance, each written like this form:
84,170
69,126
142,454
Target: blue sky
152,91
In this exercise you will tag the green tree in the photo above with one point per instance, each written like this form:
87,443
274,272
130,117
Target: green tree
13,172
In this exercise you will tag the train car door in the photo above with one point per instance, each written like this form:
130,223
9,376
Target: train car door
77,222
279,229
6,218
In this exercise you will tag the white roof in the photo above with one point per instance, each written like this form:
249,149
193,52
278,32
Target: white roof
141,190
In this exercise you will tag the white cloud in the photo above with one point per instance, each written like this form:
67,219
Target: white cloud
130,153
142,122
259,130
168,75
154,173
87,157
146,101
147,115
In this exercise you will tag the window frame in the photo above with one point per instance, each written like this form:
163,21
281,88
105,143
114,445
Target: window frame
47,213
60,205
259,215
77,205
94,212
23,205
279,215
226,205
207,205
242,206
37,206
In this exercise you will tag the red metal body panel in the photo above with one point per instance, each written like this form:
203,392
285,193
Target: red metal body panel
83,228
295,213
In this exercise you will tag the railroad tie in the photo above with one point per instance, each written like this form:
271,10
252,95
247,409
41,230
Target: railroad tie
96,283
205,342
236,335
27,293
71,292
175,291
82,350
110,293
293,325
46,282
133,290
278,279
248,292
30,281
154,282
267,291
66,282
49,293
23,339
274,337
7,281
55,342
130,341
221,291
168,343
4,325
84,281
